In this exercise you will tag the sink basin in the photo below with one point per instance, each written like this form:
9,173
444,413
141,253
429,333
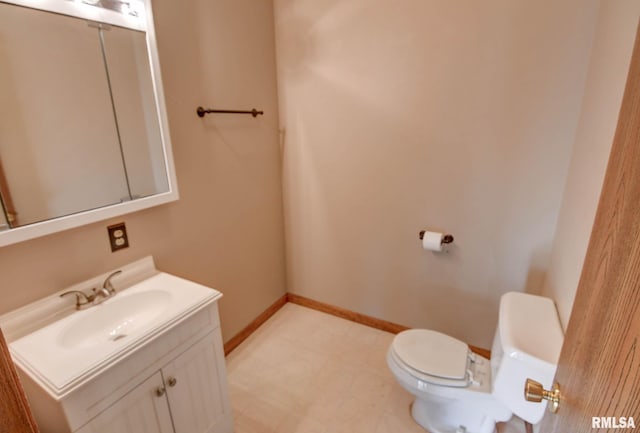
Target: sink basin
114,319
66,353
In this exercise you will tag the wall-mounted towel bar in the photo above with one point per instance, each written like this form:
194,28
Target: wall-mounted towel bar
202,111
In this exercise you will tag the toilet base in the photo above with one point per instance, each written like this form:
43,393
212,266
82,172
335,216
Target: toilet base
437,418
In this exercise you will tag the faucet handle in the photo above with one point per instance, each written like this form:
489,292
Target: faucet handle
107,282
81,298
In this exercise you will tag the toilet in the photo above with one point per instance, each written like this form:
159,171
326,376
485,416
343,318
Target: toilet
458,391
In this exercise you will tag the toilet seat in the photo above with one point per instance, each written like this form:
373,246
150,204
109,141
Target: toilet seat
432,357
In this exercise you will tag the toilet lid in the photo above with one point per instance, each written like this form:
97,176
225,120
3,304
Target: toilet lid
432,353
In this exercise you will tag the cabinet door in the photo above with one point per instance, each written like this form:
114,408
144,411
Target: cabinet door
142,410
197,389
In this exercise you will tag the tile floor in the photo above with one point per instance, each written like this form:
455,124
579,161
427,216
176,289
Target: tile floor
305,371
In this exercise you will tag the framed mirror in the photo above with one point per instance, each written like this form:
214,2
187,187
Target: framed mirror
83,128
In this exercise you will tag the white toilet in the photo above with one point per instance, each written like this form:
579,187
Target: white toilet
458,391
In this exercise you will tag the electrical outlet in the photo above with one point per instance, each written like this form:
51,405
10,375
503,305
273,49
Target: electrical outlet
118,237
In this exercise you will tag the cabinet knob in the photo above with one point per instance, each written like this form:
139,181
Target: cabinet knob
160,391
172,381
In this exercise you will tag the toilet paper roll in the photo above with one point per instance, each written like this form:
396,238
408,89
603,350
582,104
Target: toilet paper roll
432,241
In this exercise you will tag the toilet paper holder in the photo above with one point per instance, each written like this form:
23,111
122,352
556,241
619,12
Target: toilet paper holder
446,239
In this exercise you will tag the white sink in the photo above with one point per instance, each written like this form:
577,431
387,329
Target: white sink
65,353
115,319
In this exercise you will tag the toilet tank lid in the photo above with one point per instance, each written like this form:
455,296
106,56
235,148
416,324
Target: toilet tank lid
530,328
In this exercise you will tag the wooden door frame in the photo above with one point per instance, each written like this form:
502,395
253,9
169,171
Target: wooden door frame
15,416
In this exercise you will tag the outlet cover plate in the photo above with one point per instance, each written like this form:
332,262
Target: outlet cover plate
118,238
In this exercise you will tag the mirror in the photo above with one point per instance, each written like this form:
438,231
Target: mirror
83,132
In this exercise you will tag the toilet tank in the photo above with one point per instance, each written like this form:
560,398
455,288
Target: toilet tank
526,345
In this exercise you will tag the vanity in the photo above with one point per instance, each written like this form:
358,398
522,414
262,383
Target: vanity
149,358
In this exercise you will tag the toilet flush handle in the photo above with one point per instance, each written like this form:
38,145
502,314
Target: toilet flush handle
534,392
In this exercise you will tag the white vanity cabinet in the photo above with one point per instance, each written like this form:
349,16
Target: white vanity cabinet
148,360
184,396
196,390
139,411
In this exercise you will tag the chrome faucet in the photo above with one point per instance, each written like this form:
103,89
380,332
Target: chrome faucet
108,286
97,296
83,300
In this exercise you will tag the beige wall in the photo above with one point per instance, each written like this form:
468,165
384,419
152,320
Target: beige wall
226,230
608,68
410,115
396,118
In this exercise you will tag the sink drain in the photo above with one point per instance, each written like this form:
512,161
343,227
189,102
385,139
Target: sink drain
118,337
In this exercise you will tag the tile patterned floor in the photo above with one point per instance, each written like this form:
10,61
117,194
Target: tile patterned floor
305,371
